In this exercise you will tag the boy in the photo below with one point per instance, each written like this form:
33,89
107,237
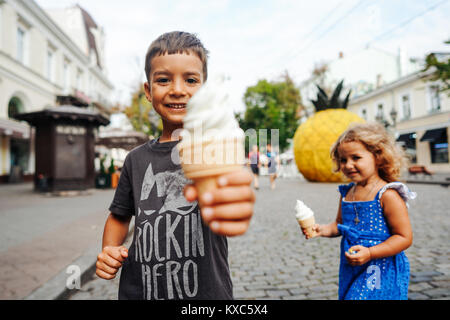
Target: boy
175,254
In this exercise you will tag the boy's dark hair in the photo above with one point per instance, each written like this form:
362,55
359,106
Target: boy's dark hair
176,42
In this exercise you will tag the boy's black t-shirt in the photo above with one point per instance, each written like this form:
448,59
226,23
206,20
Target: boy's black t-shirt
173,254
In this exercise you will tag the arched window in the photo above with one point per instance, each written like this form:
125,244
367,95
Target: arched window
15,106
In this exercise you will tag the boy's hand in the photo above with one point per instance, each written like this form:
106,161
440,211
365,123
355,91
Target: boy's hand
109,261
228,209
360,255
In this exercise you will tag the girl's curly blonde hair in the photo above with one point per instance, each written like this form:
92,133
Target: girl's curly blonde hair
389,157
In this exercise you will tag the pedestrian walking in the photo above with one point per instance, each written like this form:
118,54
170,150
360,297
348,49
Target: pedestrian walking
174,254
372,216
253,157
272,165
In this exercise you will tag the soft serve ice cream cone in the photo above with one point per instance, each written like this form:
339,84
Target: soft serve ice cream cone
305,218
212,142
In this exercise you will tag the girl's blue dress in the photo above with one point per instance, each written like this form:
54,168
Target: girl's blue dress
379,279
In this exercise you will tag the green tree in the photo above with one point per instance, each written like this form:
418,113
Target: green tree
142,116
272,105
442,68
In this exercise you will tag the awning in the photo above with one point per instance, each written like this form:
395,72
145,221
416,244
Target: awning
434,135
14,129
116,138
72,113
404,137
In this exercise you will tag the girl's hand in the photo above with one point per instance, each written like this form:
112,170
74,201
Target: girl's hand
317,228
362,255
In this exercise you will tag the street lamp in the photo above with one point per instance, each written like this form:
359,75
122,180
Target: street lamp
393,115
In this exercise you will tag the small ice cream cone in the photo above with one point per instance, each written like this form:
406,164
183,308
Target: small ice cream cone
305,218
308,224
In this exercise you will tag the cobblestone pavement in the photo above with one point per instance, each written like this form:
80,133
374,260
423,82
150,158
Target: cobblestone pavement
274,261
40,234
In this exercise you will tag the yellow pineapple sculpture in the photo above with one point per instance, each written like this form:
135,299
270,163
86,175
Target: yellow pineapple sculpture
314,138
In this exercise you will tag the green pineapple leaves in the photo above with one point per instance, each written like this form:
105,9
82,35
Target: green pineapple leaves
324,103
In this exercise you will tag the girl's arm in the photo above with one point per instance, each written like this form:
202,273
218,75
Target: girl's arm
396,214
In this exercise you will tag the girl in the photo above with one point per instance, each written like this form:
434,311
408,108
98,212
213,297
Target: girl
372,216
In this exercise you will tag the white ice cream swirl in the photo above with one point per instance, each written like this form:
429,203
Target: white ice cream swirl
302,211
209,110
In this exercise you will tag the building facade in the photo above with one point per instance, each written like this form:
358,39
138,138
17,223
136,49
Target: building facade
41,59
421,117
362,72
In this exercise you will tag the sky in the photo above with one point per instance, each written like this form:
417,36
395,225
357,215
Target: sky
250,40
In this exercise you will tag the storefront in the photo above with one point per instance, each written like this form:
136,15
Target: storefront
438,144
408,142
16,164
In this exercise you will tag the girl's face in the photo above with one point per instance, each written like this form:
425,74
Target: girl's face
356,162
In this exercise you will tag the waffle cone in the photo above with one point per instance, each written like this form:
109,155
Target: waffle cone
308,224
212,157
202,162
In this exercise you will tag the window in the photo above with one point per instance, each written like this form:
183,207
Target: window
438,140
435,100
364,113
20,45
439,149
79,80
406,106
379,114
66,76
15,106
408,143
50,65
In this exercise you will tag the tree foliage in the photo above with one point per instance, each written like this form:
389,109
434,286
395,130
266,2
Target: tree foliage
442,68
142,116
272,105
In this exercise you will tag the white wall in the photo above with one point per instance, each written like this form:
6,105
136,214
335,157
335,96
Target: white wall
359,71
33,75
416,88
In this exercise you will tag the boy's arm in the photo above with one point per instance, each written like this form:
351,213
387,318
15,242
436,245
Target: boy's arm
115,231
113,253
229,208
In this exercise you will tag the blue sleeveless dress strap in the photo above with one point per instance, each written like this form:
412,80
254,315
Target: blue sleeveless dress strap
379,279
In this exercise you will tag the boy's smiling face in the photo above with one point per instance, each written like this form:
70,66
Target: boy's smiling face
174,78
